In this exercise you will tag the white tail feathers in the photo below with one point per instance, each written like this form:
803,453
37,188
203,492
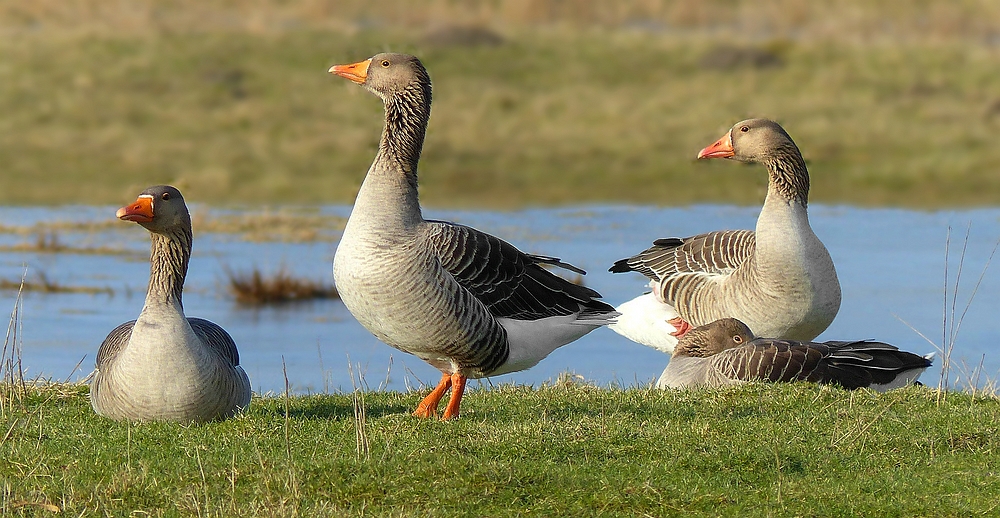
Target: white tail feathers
644,320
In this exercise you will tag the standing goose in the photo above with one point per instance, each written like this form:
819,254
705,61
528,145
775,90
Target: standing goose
725,352
165,366
780,280
468,303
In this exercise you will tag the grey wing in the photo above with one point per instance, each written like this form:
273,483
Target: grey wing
510,283
718,253
766,359
216,338
114,343
850,364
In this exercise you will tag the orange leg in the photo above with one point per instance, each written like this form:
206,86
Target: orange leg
429,406
457,390
681,325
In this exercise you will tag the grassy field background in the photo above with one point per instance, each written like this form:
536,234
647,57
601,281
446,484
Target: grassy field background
542,102
563,450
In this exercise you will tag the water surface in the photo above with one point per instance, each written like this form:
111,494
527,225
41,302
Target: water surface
891,265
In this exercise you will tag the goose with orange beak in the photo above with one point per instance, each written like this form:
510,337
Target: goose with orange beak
466,302
164,366
779,279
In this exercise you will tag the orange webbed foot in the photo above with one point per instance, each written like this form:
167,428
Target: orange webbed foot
428,407
457,390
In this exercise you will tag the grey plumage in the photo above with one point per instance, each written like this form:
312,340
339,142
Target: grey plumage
163,365
468,303
779,279
725,352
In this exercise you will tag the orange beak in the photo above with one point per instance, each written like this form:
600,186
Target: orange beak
140,212
356,72
722,148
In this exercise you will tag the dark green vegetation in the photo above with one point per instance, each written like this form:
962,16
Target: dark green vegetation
758,450
892,103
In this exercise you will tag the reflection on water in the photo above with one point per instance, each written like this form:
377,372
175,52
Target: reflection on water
890,262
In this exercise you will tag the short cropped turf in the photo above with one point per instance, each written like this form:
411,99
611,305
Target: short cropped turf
563,450
892,103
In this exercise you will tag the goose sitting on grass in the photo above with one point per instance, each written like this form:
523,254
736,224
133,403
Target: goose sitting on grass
165,366
725,352
466,302
779,279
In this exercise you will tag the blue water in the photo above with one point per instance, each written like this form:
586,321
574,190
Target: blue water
891,265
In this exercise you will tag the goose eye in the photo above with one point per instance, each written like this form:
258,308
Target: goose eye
738,339
385,63
165,196
745,129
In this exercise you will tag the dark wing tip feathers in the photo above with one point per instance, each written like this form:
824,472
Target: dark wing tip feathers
621,266
555,261
866,362
668,242
638,262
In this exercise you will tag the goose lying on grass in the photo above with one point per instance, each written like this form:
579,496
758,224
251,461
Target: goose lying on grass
163,365
468,303
779,279
725,352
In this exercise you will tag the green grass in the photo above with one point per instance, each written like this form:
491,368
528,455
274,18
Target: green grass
97,105
757,450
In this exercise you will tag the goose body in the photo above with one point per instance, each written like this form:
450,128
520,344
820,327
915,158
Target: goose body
725,352
164,365
466,302
779,279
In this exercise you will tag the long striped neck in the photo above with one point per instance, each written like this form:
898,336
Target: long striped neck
168,264
406,116
388,197
788,176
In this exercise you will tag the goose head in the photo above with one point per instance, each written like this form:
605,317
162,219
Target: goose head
159,209
387,75
752,140
713,338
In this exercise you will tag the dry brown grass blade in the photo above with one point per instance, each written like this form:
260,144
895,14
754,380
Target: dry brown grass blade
951,323
11,370
292,479
362,443
860,428
45,506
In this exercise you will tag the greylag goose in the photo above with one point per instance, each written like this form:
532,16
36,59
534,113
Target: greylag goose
725,352
466,302
163,365
779,279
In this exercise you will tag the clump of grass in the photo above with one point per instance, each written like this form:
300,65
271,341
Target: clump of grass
11,371
256,288
567,379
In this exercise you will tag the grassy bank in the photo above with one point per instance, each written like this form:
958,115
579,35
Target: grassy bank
891,105
554,451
